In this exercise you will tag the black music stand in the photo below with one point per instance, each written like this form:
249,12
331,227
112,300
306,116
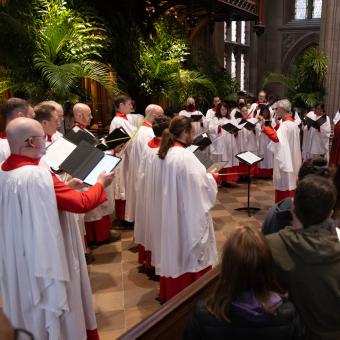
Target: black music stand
248,158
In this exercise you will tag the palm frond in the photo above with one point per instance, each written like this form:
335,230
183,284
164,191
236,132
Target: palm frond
280,79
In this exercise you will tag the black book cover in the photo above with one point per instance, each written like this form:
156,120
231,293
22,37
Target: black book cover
77,135
231,128
196,118
267,123
316,123
248,125
208,162
115,138
202,141
238,115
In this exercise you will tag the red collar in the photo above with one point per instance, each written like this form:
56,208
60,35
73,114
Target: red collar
180,144
288,118
17,161
48,138
192,110
82,126
319,114
3,134
147,124
121,115
214,109
154,143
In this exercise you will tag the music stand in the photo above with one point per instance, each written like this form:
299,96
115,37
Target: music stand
248,158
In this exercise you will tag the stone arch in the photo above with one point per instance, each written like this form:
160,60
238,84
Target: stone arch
299,46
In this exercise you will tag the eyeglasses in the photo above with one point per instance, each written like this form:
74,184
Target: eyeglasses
22,334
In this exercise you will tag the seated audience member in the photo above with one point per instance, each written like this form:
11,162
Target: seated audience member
279,215
307,258
245,303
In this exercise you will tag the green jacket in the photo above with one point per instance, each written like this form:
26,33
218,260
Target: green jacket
308,263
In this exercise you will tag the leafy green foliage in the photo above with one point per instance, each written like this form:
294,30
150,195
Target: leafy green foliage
305,84
162,66
61,46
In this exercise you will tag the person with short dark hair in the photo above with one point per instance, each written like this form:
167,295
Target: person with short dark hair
279,215
210,114
48,117
307,258
316,140
245,303
191,110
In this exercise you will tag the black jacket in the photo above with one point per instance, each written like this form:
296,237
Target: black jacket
286,325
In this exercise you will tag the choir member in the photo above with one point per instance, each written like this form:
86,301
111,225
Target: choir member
191,110
285,146
123,106
44,280
187,240
47,116
148,191
143,135
136,119
98,220
212,111
254,110
60,112
224,145
316,140
11,109
334,158
265,167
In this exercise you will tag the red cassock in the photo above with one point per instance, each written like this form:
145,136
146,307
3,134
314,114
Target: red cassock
67,199
334,158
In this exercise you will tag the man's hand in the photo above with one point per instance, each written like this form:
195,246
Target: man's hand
105,179
75,183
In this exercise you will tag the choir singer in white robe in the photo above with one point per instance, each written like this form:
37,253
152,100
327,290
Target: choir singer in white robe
43,276
187,240
285,146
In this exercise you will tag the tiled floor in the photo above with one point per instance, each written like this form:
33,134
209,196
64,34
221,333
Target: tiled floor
123,296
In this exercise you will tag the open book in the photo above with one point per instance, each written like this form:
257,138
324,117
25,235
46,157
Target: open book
196,118
249,124
248,157
231,128
57,152
315,123
86,162
205,159
202,140
115,138
77,134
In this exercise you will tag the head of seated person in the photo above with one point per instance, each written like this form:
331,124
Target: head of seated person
314,200
245,302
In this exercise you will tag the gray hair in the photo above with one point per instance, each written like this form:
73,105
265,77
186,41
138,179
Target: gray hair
284,104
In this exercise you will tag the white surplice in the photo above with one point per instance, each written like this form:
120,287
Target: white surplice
43,275
4,149
187,233
138,145
248,139
148,202
316,143
225,146
135,119
263,151
121,171
196,126
287,156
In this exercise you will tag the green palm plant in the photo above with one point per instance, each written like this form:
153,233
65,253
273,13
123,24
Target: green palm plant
67,47
162,67
305,84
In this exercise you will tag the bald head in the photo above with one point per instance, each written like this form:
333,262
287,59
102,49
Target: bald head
152,111
191,100
82,114
26,137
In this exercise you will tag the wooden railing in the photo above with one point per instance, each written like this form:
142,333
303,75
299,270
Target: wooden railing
169,321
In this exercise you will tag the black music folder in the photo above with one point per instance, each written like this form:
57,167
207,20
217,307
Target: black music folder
238,115
315,123
77,134
115,138
196,118
202,140
86,162
248,124
231,128
205,159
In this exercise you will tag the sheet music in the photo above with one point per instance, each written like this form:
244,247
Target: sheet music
192,147
249,157
107,164
58,151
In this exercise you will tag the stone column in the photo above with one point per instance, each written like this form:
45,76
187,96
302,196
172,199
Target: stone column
330,44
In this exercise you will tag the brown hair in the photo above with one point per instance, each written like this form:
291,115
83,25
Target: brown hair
178,125
44,112
122,98
14,105
218,110
247,265
160,124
